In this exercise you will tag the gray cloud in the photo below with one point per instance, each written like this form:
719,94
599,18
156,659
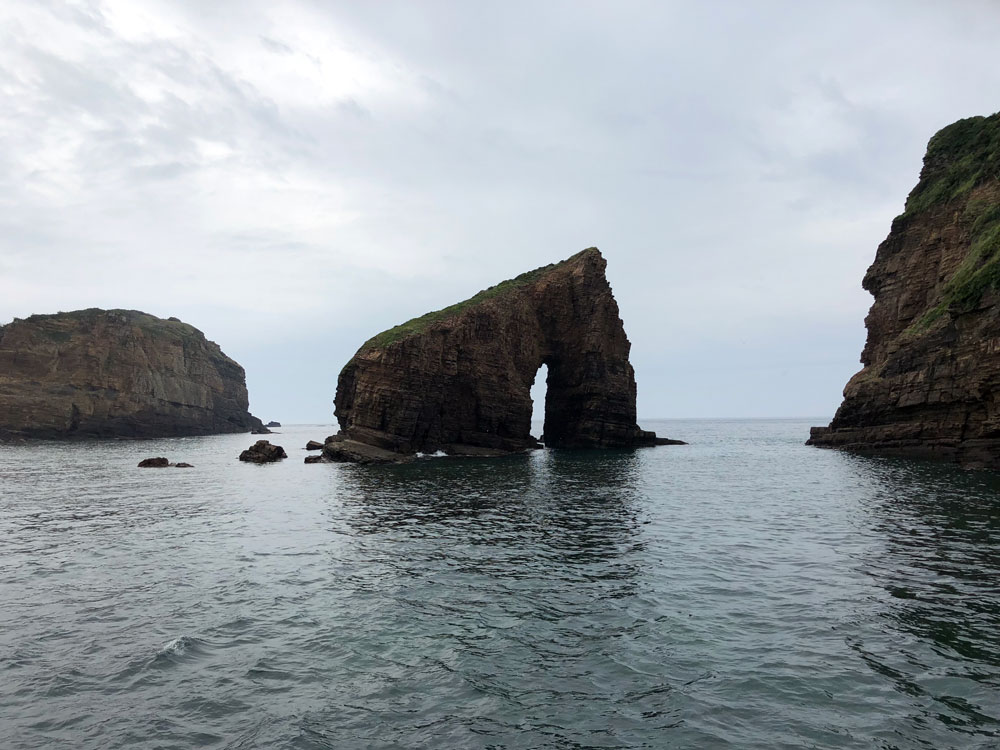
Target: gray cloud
294,177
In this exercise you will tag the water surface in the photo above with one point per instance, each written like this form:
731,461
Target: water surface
745,591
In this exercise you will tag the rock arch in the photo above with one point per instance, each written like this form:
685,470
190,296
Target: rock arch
461,377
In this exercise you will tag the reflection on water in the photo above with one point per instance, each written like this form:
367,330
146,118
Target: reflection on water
937,559
744,591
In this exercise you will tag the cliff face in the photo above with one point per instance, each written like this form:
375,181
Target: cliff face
461,376
97,373
930,385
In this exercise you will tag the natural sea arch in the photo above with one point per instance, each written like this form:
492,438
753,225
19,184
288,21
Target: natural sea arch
462,376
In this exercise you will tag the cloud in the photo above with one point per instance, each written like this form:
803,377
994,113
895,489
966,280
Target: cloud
293,177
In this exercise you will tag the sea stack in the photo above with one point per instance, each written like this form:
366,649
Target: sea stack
116,373
458,379
930,386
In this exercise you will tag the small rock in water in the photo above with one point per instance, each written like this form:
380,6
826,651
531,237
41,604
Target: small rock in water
312,445
182,465
317,460
153,463
273,424
262,452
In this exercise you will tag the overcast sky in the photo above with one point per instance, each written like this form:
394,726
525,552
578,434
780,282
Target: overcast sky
293,177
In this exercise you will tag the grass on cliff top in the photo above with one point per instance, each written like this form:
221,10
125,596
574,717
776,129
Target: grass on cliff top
424,322
57,326
959,157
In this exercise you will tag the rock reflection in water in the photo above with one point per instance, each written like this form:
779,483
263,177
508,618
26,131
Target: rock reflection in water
937,557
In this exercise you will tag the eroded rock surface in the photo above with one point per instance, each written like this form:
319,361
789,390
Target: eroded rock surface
116,373
459,378
154,463
262,452
930,385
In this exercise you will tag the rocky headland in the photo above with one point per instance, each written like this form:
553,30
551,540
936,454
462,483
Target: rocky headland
930,385
116,373
457,380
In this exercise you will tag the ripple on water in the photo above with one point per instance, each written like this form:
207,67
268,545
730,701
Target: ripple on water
743,591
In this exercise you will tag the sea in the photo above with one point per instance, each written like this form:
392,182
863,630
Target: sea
743,591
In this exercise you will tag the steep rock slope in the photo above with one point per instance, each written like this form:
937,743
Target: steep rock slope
116,373
460,377
930,385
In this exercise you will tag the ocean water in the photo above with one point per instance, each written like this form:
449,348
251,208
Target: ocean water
745,591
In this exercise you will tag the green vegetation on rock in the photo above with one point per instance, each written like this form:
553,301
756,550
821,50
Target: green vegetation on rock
425,322
959,157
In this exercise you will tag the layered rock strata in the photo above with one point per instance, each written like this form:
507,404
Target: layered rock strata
459,379
930,385
116,373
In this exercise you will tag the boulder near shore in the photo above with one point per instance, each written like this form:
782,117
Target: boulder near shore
262,452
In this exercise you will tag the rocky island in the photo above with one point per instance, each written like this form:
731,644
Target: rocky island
458,380
930,385
116,373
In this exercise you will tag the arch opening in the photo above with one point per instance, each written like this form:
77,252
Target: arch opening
538,395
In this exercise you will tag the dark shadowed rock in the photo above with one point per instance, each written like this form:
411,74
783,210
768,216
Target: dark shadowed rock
153,463
317,460
116,373
462,376
667,441
182,465
273,424
312,445
930,385
262,452
362,453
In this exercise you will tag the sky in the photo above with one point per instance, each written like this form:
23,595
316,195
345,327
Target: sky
292,178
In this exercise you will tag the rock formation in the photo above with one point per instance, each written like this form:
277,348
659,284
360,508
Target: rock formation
459,378
262,452
930,385
162,463
116,373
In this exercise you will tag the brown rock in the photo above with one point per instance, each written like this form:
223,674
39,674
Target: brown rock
182,465
312,445
362,453
317,460
262,452
462,375
153,463
930,386
116,373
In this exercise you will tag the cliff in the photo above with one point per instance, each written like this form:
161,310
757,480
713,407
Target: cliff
930,385
459,378
116,373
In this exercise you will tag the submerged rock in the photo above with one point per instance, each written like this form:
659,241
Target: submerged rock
116,373
930,385
461,376
317,460
161,463
357,452
262,452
